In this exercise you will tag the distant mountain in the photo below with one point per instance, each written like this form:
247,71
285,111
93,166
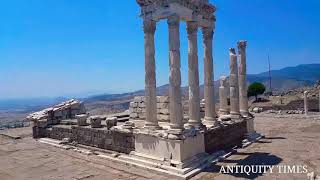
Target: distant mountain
282,80
290,77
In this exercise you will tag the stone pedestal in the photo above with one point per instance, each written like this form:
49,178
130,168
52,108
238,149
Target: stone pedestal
96,121
176,153
82,119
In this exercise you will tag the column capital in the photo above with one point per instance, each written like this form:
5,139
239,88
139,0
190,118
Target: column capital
232,52
173,21
242,44
149,26
208,32
192,27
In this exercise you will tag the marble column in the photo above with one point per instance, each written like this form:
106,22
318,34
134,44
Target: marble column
193,76
234,85
176,114
243,88
305,97
223,110
149,28
210,114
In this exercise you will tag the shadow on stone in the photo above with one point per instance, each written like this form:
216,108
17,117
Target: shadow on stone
263,142
274,138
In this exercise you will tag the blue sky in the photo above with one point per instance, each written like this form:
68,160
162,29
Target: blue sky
58,47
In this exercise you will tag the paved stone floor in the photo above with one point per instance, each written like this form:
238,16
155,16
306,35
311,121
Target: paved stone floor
290,141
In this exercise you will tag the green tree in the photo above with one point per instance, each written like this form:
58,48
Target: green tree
256,89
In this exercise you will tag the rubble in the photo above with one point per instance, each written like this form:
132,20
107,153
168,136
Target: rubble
82,119
53,115
95,121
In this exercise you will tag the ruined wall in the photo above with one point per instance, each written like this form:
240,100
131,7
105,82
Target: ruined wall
53,115
225,137
105,139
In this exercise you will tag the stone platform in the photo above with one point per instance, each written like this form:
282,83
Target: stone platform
183,157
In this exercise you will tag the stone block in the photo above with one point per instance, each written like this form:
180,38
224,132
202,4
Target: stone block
112,121
131,110
163,111
162,117
139,99
74,112
82,119
202,105
162,99
162,105
134,115
57,113
139,110
96,121
133,104
178,151
142,115
142,105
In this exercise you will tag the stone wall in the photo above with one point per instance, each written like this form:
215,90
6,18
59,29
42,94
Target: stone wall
225,137
138,108
105,139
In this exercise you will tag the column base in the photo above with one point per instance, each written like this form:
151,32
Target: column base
223,112
151,126
235,115
226,117
210,122
244,113
175,133
196,124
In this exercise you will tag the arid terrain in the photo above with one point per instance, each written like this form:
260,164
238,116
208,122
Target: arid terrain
289,140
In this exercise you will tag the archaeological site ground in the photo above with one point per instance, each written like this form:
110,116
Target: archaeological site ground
226,129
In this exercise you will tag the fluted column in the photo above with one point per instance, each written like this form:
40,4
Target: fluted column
176,115
193,74
223,110
234,85
243,88
210,114
149,28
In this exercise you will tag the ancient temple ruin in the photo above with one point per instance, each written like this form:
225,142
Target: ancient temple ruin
177,145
